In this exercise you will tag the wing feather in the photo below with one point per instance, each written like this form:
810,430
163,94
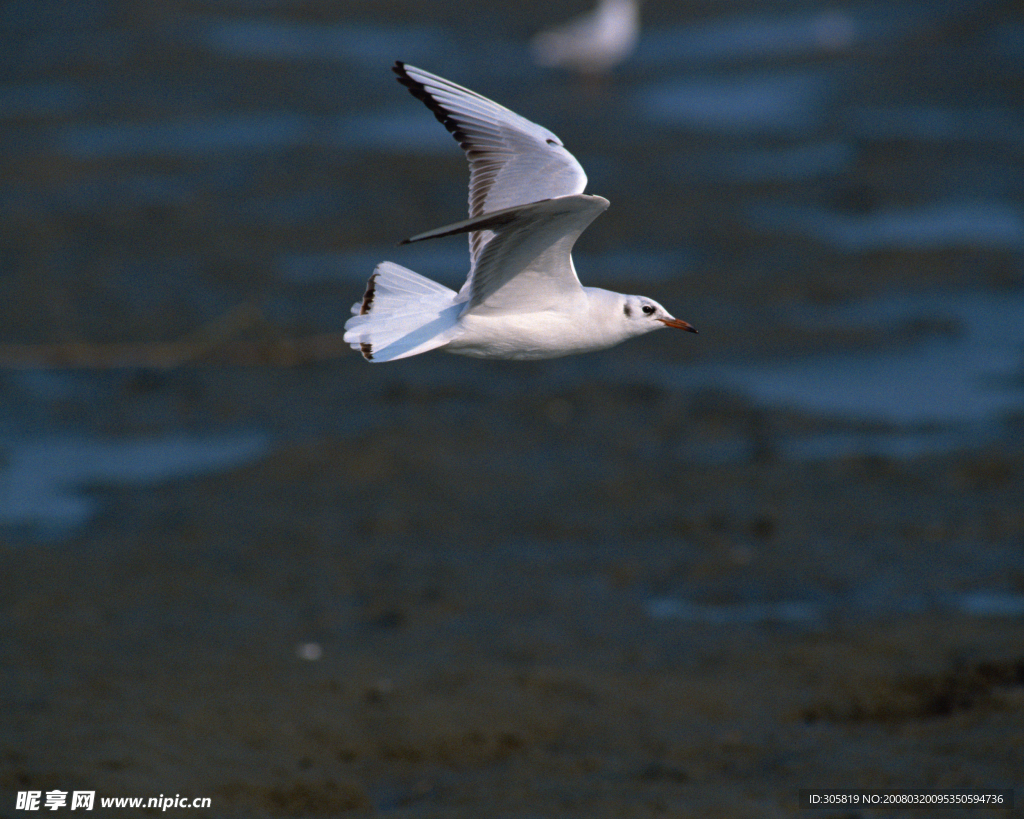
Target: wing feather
526,265
512,161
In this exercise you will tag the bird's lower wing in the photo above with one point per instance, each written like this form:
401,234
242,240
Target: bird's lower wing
526,265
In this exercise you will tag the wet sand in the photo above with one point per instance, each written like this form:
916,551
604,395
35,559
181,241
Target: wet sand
481,600
464,589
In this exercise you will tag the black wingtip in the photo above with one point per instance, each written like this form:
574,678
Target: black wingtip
402,72
419,90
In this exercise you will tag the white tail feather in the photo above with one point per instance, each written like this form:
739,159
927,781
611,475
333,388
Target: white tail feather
401,314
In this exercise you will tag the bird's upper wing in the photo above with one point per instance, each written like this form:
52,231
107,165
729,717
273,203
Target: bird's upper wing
526,265
512,161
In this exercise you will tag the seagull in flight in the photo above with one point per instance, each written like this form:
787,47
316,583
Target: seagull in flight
522,299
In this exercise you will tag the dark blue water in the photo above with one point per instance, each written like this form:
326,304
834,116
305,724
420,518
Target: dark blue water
868,137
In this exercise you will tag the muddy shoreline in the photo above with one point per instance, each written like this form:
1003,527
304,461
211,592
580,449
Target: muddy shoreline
452,588
487,636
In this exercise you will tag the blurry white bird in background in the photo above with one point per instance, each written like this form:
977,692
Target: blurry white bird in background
593,43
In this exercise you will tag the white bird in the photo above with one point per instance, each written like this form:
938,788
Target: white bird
592,43
522,299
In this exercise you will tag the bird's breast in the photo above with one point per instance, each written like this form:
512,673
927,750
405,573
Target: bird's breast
525,336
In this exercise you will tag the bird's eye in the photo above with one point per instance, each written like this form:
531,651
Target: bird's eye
648,309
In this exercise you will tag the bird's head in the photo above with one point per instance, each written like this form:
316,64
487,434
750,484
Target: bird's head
643,315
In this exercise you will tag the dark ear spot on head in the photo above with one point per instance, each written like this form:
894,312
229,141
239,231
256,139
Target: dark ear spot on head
627,310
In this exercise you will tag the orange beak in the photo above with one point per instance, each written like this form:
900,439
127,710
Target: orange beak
680,325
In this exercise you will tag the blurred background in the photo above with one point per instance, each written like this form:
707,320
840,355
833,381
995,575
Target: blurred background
442,578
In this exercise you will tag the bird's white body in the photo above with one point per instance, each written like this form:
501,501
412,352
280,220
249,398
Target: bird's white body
581,328
522,298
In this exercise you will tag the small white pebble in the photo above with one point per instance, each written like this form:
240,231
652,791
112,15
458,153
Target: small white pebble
309,651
